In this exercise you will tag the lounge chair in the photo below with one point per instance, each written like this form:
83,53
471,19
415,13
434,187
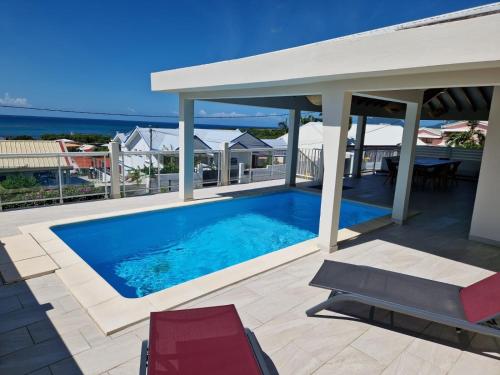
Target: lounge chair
474,308
208,340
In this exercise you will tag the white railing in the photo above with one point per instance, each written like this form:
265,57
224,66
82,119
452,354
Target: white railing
64,178
52,178
256,164
310,164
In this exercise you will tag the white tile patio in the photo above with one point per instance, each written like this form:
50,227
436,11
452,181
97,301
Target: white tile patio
44,330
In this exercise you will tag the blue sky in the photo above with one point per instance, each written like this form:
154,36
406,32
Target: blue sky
97,55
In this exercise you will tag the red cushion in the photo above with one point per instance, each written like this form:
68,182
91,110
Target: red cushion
481,300
208,340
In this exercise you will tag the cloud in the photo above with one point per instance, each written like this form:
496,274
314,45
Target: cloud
202,112
276,29
227,114
16,102
131,110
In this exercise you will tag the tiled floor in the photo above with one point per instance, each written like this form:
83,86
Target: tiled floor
43,329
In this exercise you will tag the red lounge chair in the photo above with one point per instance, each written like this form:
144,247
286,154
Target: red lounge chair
208,340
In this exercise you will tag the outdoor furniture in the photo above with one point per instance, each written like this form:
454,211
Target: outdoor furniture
452,171
473,308
392,167
436,170
208,340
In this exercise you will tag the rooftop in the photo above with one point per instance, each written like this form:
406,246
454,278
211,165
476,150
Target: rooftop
30,147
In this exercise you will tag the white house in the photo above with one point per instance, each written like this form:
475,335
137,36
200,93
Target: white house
311,135
143,139
441,68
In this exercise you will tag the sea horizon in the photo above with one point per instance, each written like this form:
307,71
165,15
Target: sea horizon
35,126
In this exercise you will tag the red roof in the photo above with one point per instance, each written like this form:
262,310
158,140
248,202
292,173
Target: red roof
90,162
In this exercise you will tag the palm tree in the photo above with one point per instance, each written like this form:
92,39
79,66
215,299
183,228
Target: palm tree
472,138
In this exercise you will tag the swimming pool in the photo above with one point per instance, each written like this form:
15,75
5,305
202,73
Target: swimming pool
143,253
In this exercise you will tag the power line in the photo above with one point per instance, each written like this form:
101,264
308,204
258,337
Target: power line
137,114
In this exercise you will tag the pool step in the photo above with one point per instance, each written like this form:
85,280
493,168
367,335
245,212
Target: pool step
21,258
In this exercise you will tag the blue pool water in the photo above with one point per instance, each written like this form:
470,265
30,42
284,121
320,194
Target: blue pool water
143,253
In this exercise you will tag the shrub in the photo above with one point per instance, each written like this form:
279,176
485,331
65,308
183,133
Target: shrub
19,182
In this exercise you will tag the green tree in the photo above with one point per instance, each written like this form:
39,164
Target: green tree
135,175
78,137
19,181
471,138
21,137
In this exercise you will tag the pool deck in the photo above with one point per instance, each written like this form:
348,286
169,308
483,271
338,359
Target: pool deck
45,330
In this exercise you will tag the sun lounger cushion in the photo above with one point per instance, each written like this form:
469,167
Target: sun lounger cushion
481,300
207,340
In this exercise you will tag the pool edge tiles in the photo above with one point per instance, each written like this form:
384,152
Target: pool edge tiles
113,312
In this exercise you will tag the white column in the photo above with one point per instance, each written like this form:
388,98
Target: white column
406,161
486,215
359,145
292,147
186,148
336,110
225,165
114,156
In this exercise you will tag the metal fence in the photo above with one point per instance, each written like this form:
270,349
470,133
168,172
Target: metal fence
158,171
57,178
257,164
53,178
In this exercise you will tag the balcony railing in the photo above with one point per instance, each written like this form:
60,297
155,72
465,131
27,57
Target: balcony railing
57,178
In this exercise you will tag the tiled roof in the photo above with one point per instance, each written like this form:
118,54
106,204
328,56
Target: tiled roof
28,148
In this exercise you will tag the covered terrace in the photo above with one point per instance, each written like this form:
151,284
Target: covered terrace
445,67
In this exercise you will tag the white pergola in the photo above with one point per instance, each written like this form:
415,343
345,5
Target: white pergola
442,67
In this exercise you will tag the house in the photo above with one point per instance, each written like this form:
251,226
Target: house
445,67
44,169
431,137
210,140
440,136
311,135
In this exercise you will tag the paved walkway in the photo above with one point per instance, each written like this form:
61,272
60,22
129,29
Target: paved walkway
43,329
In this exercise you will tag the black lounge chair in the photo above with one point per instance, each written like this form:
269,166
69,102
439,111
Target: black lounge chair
474,308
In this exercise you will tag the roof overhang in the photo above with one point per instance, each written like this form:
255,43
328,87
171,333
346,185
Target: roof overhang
458,41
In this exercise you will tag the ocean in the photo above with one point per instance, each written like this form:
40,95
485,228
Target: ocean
35,126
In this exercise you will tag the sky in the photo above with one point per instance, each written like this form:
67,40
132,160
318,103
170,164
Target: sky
98,55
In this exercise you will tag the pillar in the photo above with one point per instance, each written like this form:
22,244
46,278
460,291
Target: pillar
406,161
292,147
359,145
225,177
114,156
186,148
336,111
486,214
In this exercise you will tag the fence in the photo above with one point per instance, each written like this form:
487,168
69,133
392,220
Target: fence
56,178
151,172
310,164
49,178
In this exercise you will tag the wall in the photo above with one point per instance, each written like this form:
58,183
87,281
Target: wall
485,226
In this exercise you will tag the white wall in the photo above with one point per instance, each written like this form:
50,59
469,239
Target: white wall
485,226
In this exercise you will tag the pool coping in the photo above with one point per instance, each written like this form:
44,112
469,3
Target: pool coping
112,312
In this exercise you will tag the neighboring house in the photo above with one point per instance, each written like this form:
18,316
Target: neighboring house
161,139
430,137
439,136
311,135
44,169
87,148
